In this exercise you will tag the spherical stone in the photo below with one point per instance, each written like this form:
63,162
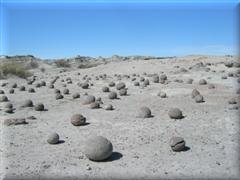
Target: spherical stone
224,77
22,88
94,105
58,96
175,113
142,79
177,143
189,81
108,107
78,120
88,99
202,82
85,85
2,92
57,91
155,79
136,83
8,105
38,85
14,85
163,77
98,148
123,92
120,85
3,98
76,95
53,138
8,110
27,103
146,82
232,101
39,107
11,91
111,84
51,86
195,92
43,83
31,90
144,112
105,89
162,94
66,91
211,86
112,95
199,98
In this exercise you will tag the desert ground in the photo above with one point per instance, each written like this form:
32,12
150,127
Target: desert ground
141,148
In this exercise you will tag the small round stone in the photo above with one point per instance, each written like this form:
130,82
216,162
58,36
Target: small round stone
98,148
155,79
3,98
76,95
108,107
53,138
94,105
27,103
175,113
39,107
211,86
43,83
38,85
111,84
8,105
11,91
136,83
31,90
66,91
123,92
120,85
51,86
78,120
146,82
57,91
163,77
14,85
85,85
144,112
189,81
199,98
195,92
177,143
58,96
112,95
105,89
232,101
88,99
162,94
22,88
202,82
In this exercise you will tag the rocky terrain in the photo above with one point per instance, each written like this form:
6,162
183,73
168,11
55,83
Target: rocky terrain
136,117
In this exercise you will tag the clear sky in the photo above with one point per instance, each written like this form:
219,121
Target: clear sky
104,28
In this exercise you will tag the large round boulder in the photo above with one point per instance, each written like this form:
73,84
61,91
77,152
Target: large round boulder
98,148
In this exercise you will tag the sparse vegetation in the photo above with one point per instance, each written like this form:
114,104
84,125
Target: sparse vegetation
13,68
62,63
87,65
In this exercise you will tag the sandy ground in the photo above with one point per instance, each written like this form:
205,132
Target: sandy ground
141,146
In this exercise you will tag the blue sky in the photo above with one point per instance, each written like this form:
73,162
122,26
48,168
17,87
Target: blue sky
103,28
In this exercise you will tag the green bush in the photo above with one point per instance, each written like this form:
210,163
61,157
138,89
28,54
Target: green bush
13,68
